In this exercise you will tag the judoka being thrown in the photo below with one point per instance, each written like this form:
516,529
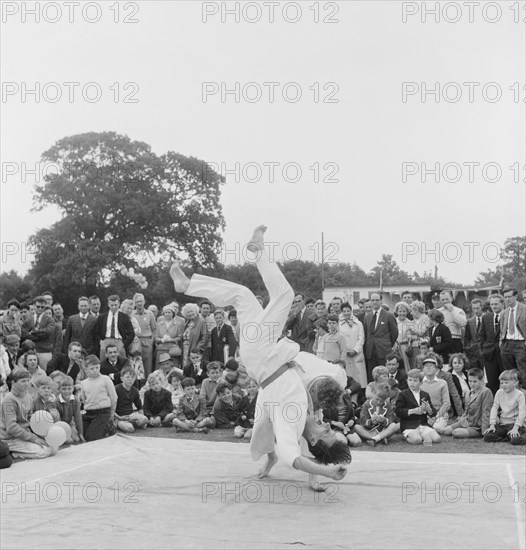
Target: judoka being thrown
292,384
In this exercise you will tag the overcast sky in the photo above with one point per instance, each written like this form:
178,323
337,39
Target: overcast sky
352,120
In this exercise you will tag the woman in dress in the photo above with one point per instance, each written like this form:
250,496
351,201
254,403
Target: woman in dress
169,333
419,330
195,330
403,345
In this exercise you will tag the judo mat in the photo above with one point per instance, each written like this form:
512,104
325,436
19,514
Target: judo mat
126,492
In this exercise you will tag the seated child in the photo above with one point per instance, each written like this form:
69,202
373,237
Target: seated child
353,386
438,391
506,422
196,367
423,348
189,417
208,387
231,375
395,372
68,406
56,379
128,413
459,364
45,400
158,406
97,392
380,375
175,388
412,408
226,412
475,420
247,407
14,420
342,419
377,417
138,366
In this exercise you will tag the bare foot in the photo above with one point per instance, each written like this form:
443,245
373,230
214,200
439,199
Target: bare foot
256,242
272,458
181,281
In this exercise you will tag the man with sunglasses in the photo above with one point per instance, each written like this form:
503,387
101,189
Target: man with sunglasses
43,333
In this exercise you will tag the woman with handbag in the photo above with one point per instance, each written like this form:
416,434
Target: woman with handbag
195,333
169,336
135,347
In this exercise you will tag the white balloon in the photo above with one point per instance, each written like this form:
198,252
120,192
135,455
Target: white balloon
41,422
56,436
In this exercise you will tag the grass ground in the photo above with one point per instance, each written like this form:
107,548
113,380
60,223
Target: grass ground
396,443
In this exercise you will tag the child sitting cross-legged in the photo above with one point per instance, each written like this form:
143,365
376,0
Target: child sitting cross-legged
128,414
174,387
14,420
158,406
438,391
412,408
475,420
247,406
45,400
226,412
506,422
342,418
68,406
377,421
189,412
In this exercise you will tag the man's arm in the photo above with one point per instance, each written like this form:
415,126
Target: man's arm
393,329
335,471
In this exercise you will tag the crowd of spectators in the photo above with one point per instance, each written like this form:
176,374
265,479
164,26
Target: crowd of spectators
423,371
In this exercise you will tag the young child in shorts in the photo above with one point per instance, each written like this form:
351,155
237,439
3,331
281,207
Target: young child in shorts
68,406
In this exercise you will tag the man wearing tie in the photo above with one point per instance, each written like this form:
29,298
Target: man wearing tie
43,333
81,328
301,324
114,327
222,335
471,335
513,333
489,337
381,332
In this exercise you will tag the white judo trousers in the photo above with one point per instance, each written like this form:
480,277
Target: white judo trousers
281,407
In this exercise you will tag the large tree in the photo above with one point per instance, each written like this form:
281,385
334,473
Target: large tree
121,204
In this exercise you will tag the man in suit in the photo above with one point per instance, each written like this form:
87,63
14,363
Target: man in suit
381,332
94,306
113,364
513,334
301,324
81,328
394,371
12,347
67,363
471,335
43,333
114,327
489,339
222,335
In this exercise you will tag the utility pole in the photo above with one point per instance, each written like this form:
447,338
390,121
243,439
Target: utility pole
322,264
